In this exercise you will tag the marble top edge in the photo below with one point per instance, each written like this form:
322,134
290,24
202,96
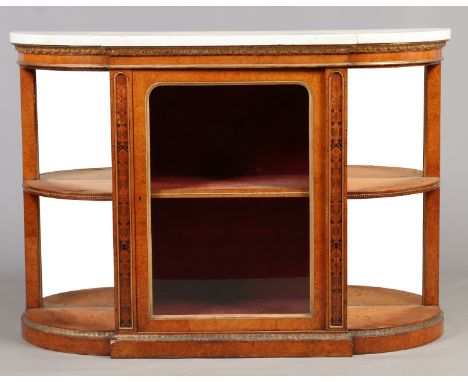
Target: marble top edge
231,38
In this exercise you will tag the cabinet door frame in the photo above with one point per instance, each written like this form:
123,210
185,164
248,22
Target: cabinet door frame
314,80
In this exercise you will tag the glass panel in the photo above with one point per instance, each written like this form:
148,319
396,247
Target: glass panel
225,239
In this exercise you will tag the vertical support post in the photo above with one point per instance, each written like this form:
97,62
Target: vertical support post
31,202
432,198
336,91
121,101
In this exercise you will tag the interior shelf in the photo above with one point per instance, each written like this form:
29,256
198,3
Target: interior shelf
363,182
369,308
232,296
242,186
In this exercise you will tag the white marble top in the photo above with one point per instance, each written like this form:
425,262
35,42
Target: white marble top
223,38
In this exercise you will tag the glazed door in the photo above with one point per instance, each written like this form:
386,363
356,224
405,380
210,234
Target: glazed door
230,174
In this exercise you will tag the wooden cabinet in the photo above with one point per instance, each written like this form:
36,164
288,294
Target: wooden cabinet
229,185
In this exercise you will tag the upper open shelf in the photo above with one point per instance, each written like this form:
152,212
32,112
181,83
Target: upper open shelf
363,182
82,184
380,182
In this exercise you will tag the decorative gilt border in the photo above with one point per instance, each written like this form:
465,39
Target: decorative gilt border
123,201
59,195
220,337
371,195
366,64
336,91
384,332
75,333
228,50
246,194
242,337
151,195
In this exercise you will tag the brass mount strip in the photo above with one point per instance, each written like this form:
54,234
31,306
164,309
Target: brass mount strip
60,195
383,332
346,64
228,50
369,195
76,333
220,337
351,195
225,337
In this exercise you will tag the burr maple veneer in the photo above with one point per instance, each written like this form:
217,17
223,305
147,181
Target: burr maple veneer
229,184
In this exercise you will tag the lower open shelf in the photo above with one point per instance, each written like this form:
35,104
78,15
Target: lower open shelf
379,320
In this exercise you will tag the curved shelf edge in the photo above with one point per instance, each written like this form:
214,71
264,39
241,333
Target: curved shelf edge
363,182
398,338
80,322
81,184
366,182
66,340
379,320
383,320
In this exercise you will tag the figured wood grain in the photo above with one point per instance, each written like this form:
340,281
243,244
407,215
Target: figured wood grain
262,186
383,320
431,203
86,184
298,60
357,296
363,182
374,296
76,318
32,235
142,82
29,123
336,118
379,181
396,342
122,348
85,321
94,297
98,345
390,316
121,156
379,320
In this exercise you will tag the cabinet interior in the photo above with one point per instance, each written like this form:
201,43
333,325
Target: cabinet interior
238,255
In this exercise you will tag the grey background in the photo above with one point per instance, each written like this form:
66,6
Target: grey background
446,356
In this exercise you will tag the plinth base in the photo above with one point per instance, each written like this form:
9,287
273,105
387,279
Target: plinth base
379,320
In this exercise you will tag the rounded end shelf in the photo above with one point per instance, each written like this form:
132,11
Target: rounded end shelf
363,182
379,320
80,184
382,320
380,182
80,322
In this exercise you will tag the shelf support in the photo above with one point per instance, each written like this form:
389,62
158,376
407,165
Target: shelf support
432,92
336,89
32,236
